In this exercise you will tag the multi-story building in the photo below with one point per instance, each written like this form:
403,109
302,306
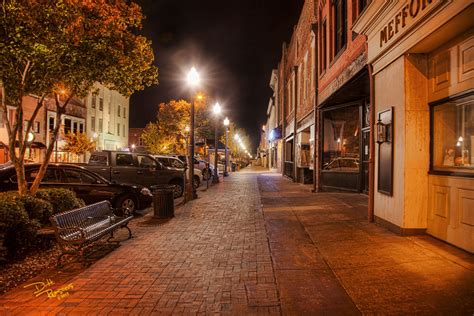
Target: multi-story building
103,115
422,59
273,126
73,121
107,118
343,98
37,133
297,85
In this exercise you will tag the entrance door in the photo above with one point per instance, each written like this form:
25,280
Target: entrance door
365,160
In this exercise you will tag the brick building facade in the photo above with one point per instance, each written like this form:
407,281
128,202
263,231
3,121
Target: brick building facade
393,109
343,98
297,95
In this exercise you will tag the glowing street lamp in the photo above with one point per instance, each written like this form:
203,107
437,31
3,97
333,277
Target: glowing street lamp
193,79
217,109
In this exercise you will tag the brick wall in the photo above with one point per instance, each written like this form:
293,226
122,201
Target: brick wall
299,65
336,63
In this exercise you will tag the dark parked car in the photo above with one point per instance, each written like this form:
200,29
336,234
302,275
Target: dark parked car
87,185
135,168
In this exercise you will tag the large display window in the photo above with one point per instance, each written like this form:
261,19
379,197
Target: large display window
341,143
452,130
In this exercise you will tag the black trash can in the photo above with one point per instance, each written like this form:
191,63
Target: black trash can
163,200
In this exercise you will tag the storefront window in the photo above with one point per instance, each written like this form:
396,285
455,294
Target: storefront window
453,135
341,140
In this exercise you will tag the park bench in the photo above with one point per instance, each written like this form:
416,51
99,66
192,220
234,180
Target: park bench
78,228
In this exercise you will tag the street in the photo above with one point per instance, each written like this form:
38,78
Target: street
257,243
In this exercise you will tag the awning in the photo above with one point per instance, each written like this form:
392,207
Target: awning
38,145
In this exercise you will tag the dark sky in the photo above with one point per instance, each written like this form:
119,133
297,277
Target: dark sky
234,44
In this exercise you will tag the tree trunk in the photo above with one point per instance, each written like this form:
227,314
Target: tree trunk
60,110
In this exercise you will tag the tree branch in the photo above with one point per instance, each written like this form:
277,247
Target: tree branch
39,105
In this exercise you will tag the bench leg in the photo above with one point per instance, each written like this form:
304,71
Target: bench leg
129,231
58,264
67,251
111,237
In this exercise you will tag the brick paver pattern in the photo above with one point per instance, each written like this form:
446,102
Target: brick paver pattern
259,244
212,257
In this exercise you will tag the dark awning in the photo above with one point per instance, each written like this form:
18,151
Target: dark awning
39,145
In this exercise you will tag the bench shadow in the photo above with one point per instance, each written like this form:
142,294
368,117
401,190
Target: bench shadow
153,221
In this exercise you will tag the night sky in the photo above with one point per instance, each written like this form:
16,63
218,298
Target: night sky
234,44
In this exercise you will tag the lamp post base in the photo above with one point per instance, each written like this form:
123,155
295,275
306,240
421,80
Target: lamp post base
226,174
215,178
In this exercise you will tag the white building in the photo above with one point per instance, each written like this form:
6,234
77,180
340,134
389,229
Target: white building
107,118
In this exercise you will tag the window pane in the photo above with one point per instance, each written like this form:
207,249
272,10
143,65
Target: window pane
51,123
98,160
67,125
453,135
341,140
50,176
146,162
124,160
175,163
75,176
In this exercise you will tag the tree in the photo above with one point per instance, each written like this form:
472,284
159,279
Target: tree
78,143
58,49
203,127
168,134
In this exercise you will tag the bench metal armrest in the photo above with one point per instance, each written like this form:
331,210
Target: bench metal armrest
119,210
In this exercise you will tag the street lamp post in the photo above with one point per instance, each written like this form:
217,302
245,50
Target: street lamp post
237,151
193,82
217,110
226,124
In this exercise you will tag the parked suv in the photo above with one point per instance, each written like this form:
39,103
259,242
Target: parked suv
176,163
207,169
136,168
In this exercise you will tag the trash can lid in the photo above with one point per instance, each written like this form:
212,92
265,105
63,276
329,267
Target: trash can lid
162,187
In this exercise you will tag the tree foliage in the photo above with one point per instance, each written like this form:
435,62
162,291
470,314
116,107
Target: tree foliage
168,134
78,143
58,49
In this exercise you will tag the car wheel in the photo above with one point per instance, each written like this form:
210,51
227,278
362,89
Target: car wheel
206,174
196,182
126,202
178,188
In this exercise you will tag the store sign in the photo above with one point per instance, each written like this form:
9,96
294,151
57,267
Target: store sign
413,10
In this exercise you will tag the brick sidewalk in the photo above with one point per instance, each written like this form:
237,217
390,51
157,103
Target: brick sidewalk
329,260
212,257
260,244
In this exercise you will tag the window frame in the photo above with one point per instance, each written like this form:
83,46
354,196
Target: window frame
432,106
324,46
94,101
343,27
